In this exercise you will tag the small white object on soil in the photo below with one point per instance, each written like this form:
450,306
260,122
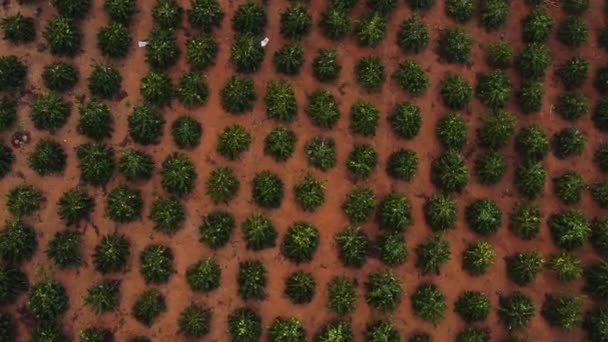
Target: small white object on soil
142,43
265,41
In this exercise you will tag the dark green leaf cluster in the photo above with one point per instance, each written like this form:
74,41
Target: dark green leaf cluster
267,190
455,92
124,204
370,73
286,329
490,167
499,54
74,9
96,163
359,205
393,249
103,296
600,113
49,112
573,72
321,152
217,228
105,82
205,14
362,161
494,89
244,324
136,165
95,334
571,106
599,193
222,185
530,96
569,142
455,45
47,300
569,229
309,193
496,129
295,21
449,172
440,212
238,95
246,53
112,253
192,90
8,113
493,14
371,29
524,220
259,232
353,247
563,310
325,66
48,157
167,13
60,76
413,35
96,120
252,279
18,243
384,7
405,120
322,109
364,117
280,101
478,258
162,50
280,143
249,17
233,141
186,132
533,61
600,157
63,36
460,10
537,26
411,77
13,282
201,51
335,23
145,125
532,143
114,40
23,200
402,165
429,303
451,131
568,187
421,4
168,215
515,310
301,242
484,216
121,11
566,266
335,330
178,174
342,298
523,268
595,324
204,275
194,321
572,32
7,158
65,249
300,287
156,88
473,306
18,28
432,254
530,179
383,291
156,264
394,212
148,306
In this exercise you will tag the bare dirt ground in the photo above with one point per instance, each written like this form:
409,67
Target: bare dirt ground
329,218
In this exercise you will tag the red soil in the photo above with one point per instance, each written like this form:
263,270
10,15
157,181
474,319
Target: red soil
329,219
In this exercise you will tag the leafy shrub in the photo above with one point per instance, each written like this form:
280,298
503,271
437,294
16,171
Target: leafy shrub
148,306
571,106
460,10
136,165
244,324
572,32
573,72
18,243
7,158
246,53
532,143
600,83
201,51
530,179
105,81
112,254
8,113
411,77
178,174
515,310
252,279
474,334
370,73
50,112
47,300
440,212
563,311
566,266
575,7
341,296
455,45
205,14
13,73
413,35
393,249
63,36
335,330
233,141
499,54
490,167
121,11
321,152
600,114
381,330
335,23
364,118
451,131
532,62
496,129
204,275
569,229
156,88
249,17
362,161
7,327
402,165
569,142
145,125
267,190
194,321
280,101
103,296
60,76
217,227
300,242
405,120
359,205
455,92
322,109
484,216
12,283
394,212
49,332
167,13
295,21
537,26
600,157
595,280
75,205
300,287
383,291
344,5
432,254
156,264
95,334
48,157
23,200
286,329
18,28
493,14
280,144
599,235
384,7
222,185
325,66
421,4
309,192
71,8
449,172
186,132
162,50
523,268
370,29
472,306
192,90
525,220
114,40
494,89
96,163
428,303
96,120
530,96
124,204
594,324
478,258
65,249
569,187
352,245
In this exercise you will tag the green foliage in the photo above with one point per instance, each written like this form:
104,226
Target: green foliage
420,337
112,253
494,89
499,54
364,118
280,101
96,120
533,61
233,141
216,229
121,11
573,72
566,266
23,200
335,331
371,29
563,311
537,26
65,249
321,152
413,35
393,249
192,90
309,192
222,185
148,306
569,229
530,179
455,92
460,10
421,4
359,205
523,268
596,275
455,45
524,220
383,291
50,112
575,7
194,321
478,258
178,174
13,282
530,96
13,73
156,88
95,334
595,324
238,95
473,334
74,9
7,158
286,329
325,66
103,296
600,157
428,303
201,51
114,40
124,204
267,190
249,17
381,330
145,125
186,132
343,5
300,287
440,212
515,310
300,242
18,243
335,23
362,161
411,77
496,129
60,76
569,187
48,157
156,264
252,279
384,7
295,22
63,36
47,300
532,143
18,29
571,106
7,327
600,113
205,14
371,74
342,298
353,247
473,306
244,325
322,109
402,165
105,81
599,235
49,332
8,113
280,144
432,253
162,50
490,166
96,163
451,131
449,172
394,212
246,53
167,13
136,165
568,142
204,275
405,120
493,14
484,216
572,32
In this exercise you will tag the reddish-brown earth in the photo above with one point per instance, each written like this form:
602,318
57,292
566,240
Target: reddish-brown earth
329,219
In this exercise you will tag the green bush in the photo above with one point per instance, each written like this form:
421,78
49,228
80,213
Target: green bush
600,113
112,254
156,88
244,324
222,185
23,200
566,266
192,90
575,7
121,11
568,142
205,15
600,157
595,280
498,54
13,73
594,324
411,77
362,161
449,172
12,283
325,66
493,14
233,141
168,215
322,109
18,243
381,330
286,329
563,311
601,80
474,334
114,40
249,17
295,22
74,9
7,158
103,296
105,82
65,249
136,165
267,190
533,61
18,28
460,10
484,216
75,205
525,220
599,235
353,247
384,7
473,306
321,152
300,287
523,268
573,72
49,332
280,101
383,291
413,35
394,212
515,310
60,76
371,74
63,36
421,4
359,205
194,321
432,253
455,92
569,229
440,212
454,45
532,143
451,131
50,112
392,248
309,192
238,95
167,14
568,187
402,165
96,163
47,300
252,279
342,298
204,275
186,132
494,89
96,120
156,264
124,204
162,50
478,258
145,125
95,334
496,129
530,179
217,228
429,303
8,113
405,120
537,26
246,53
178,174
571,106
572,32
335,23
48,157
530,96
490,167
201,52
148,306
280,144
335,331
364,118
7,327
344,5
300,242
371,29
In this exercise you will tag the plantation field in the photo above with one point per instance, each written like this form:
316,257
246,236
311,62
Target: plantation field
383,170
